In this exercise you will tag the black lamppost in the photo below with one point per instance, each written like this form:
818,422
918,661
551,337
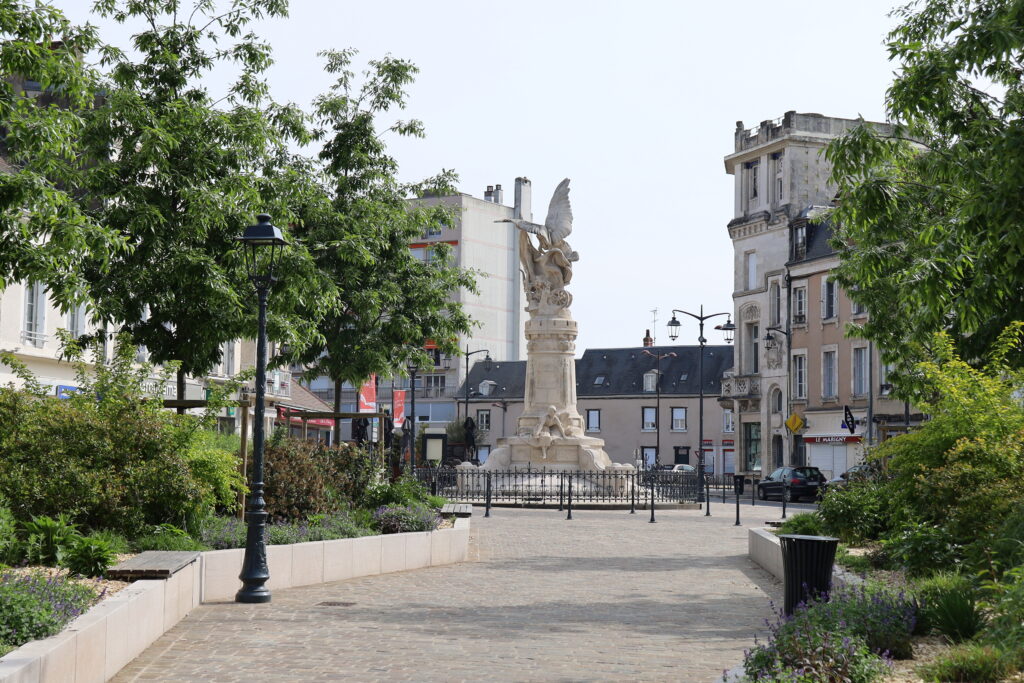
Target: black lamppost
657,403
263,244
411,367
487,366
673,332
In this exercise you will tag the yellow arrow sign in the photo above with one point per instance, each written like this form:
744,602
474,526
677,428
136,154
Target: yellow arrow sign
795,423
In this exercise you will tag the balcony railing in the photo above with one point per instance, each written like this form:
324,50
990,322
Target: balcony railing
36,339
279,383
741,386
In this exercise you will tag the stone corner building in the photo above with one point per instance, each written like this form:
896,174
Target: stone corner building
791,353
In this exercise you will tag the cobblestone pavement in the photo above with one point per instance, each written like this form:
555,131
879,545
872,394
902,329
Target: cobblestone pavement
605,597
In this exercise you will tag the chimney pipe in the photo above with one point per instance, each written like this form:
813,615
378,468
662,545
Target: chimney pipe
489,194
521,208
648,340
498,195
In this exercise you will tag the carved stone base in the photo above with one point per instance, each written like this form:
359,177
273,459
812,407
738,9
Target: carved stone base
554,453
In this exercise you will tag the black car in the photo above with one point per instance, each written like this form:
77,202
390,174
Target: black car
860,472
793,483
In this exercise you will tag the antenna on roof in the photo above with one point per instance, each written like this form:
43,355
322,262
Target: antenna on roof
654,326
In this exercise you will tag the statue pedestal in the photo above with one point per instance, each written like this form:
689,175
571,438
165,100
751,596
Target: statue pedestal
549,434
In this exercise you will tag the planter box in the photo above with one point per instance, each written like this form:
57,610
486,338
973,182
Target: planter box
98,644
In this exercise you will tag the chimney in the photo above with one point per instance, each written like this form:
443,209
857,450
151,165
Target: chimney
648,340
489,194
498,195
522,205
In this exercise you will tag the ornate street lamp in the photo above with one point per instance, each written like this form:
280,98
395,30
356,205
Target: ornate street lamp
487,366
770,342
673,332
263,245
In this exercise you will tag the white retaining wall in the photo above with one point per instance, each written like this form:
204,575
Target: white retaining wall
98,644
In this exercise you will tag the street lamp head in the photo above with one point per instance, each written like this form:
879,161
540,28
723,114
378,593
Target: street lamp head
673,328
769,341
488,362
260,261
446,362
728,329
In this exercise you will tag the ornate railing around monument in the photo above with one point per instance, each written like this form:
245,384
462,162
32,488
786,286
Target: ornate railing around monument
551,487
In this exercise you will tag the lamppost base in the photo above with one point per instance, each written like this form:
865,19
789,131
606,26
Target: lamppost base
254,595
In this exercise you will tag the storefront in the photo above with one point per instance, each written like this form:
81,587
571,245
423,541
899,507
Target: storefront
317,429
833,454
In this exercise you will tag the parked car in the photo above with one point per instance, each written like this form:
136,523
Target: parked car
855,473
794,483
684,468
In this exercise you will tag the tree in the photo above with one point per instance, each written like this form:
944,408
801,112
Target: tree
392,303
44,233
930,218
178,174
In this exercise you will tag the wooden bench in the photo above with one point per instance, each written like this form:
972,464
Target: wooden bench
457,509
152,564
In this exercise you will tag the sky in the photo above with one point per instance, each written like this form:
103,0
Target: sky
636,102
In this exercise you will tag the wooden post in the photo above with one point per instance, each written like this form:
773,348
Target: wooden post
305,427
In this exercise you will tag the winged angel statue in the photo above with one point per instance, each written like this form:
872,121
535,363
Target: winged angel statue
547,267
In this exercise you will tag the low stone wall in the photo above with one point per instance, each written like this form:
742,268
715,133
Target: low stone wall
98,644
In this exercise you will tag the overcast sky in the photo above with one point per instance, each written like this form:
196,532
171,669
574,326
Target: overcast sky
636,102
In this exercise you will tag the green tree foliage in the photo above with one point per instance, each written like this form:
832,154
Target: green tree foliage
933,213
178,172
391,302
44,232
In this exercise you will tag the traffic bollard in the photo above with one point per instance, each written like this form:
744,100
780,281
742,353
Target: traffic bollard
652,502
569,516
487,510
561,491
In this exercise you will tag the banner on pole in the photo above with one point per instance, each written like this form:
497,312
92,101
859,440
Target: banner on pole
368,396
399,401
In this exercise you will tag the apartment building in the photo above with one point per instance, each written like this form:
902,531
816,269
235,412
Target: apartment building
491,249
617,395
779,172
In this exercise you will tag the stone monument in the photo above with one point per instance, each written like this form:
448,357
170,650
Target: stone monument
549,433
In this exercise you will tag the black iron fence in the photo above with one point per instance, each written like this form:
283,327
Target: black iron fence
551,487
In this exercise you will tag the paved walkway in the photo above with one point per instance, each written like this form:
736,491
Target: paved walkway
605,597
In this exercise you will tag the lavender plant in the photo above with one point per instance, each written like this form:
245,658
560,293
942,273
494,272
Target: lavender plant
395,519
36,605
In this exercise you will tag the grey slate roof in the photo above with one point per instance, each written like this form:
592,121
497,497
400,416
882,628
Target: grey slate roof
621,372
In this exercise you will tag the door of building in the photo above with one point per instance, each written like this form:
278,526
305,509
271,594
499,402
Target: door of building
829,458
777,451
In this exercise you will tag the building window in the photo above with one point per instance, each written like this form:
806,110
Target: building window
860,371
483,420
884,385
593,420
750,268
799,305
649,419
776,401
799,242
857,308
800,376
227,359
433,231
754,168
779,174
434,385
679,419
34,331
76,321
651,381
752,441
829,291
728,421
599,380
775,303
753,365
828,374
650,456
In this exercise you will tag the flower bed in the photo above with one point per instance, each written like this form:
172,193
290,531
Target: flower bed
35,604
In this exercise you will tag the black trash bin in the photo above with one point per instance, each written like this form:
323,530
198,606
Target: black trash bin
807,567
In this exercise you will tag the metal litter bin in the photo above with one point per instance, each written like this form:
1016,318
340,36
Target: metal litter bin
806,567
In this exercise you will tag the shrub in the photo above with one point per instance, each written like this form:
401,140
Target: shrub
89,557
396,519
35,605
948,604
227,532
10,549
216,467
808,524
1006,602
968,663
119,545
107,456
48,539
1008,545
921,548
405,490
857,512
167,537
221,533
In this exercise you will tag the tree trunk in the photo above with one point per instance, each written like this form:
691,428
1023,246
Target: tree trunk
181,388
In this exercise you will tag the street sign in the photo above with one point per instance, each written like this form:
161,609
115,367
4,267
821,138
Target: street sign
848,420
795,423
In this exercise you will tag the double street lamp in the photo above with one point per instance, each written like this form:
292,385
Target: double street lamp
673,332
263,244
